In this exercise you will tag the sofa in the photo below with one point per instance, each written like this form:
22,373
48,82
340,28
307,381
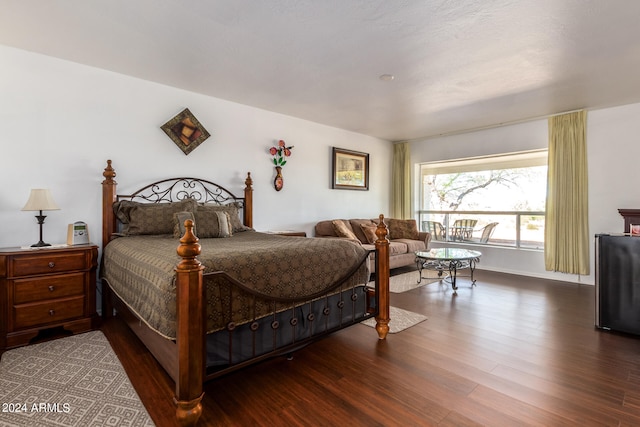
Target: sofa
404,237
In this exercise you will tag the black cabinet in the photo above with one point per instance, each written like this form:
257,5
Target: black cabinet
617,281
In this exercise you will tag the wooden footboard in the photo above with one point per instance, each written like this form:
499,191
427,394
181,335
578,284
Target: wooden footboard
190,341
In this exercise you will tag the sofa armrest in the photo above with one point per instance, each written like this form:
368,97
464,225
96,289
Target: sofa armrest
426,237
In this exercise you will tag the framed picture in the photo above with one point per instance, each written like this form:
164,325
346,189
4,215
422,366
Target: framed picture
350,170
185,131
634,229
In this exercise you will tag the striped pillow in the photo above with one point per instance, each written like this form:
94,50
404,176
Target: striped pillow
210,224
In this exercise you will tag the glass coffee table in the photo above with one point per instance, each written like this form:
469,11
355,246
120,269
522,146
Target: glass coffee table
448,260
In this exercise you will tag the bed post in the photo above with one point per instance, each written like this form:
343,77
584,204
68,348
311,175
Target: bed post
248,201
382,279
189,330
108,198
108,228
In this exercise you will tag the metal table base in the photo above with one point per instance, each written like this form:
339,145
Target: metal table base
444,262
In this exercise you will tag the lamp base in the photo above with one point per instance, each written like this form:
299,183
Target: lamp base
40,244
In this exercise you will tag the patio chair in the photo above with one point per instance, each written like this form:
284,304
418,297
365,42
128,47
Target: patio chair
435,228
462,229
486,232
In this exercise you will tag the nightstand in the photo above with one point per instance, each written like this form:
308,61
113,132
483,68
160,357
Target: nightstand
45,291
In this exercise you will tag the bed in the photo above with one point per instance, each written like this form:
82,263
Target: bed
207,294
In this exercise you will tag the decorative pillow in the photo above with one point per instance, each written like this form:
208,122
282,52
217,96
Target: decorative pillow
214,224
225,227
233,209
369,231
342,229
150,218
178,227
357,230
122,211
210,224
403,229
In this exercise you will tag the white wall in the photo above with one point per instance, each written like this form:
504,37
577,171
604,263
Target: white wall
612,136
61,121
613,151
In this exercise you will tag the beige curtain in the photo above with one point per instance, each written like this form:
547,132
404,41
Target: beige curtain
566,239
401,182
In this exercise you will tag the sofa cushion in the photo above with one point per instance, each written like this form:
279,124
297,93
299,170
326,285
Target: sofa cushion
357,230
369,231
325,229
343,229
397,247
413,245
403,229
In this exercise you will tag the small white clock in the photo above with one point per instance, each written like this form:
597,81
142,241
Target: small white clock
78,233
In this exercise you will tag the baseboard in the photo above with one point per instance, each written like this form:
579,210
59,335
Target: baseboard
561,277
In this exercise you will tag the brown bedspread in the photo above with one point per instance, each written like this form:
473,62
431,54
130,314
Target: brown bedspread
140,270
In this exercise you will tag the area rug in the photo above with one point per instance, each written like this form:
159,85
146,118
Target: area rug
72,381
406,281
399,320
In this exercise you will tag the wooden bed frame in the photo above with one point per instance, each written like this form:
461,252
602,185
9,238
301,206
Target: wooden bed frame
183,359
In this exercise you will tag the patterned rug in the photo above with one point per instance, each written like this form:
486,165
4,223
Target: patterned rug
72,381
406,281
399,320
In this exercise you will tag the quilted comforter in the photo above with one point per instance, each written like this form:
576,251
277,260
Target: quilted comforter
248,275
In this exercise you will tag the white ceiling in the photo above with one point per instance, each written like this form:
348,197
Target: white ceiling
458,64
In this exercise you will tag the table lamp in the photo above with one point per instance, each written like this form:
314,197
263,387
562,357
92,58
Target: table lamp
40,200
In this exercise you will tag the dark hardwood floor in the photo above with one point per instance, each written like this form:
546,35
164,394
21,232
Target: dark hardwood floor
512,351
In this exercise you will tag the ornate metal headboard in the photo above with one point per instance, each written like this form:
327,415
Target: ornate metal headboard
176,189
171,190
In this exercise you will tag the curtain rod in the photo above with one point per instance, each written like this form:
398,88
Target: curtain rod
497,125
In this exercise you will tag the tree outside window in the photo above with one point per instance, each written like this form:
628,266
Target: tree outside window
494,188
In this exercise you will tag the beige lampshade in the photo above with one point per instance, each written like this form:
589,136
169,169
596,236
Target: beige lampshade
40,199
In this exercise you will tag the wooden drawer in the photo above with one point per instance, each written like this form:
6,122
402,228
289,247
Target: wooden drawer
46,292
31,265
28,315
47,287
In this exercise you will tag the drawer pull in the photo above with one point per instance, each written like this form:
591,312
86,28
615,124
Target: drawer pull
51,288
52,264
52,312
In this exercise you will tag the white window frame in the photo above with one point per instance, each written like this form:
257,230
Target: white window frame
521,159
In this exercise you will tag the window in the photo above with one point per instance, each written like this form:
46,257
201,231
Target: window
501,198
